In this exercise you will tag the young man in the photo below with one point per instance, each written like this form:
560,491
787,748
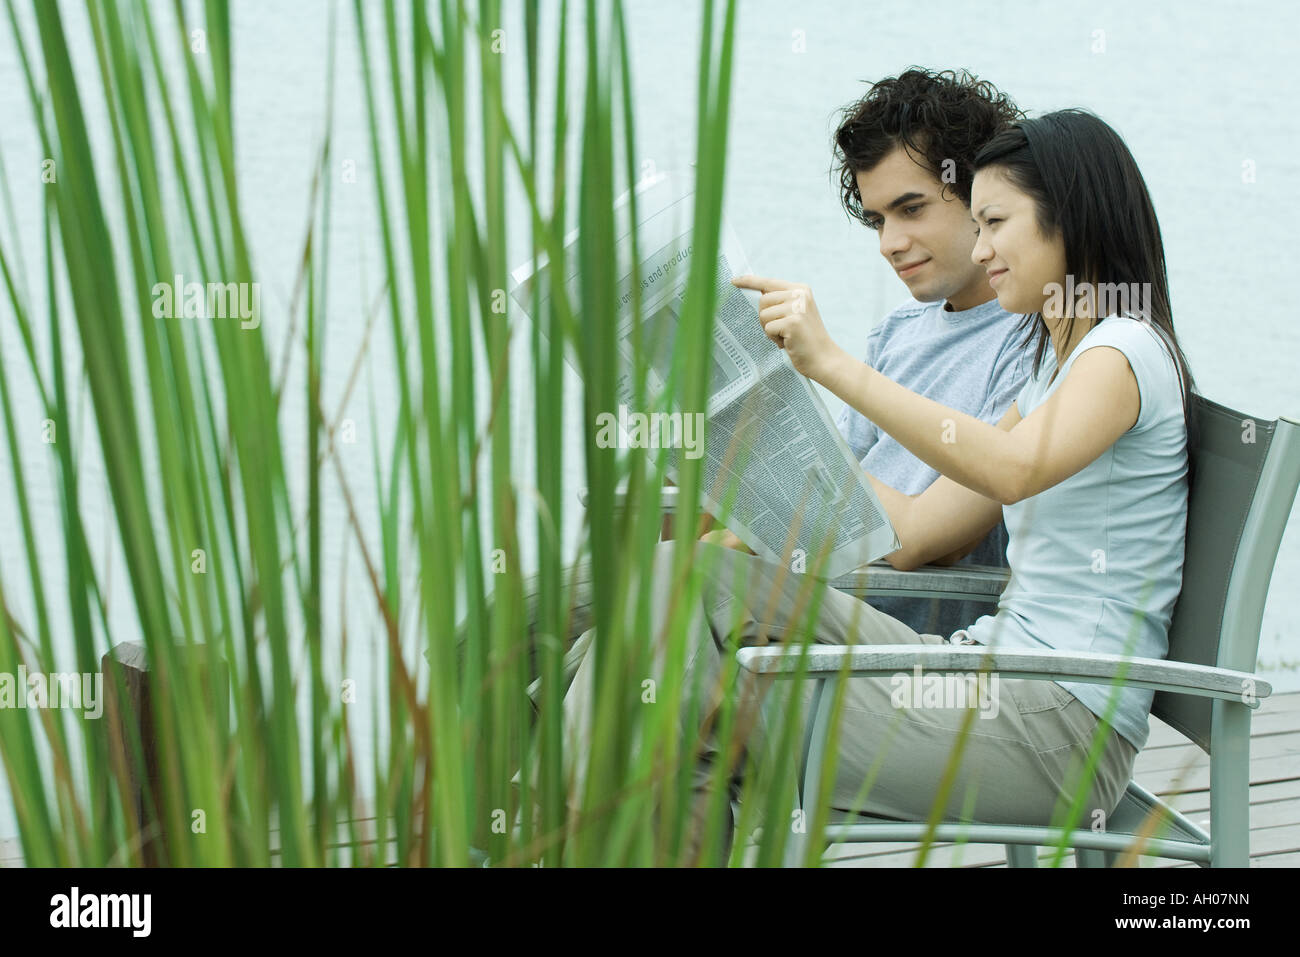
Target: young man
904,153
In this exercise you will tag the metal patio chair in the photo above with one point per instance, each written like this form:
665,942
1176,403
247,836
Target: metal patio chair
1206,689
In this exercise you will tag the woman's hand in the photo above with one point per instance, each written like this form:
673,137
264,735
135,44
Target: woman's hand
726,538
791,320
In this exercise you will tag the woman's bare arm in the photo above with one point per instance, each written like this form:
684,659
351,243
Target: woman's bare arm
1096,403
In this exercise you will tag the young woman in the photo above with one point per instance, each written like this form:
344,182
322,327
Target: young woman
1088,467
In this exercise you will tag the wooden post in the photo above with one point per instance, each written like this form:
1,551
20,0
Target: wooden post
132,718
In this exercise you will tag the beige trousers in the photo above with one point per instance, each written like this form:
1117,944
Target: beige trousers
1023,754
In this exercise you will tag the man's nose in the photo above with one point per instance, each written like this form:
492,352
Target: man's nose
893,240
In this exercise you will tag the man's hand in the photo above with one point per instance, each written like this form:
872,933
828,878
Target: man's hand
791,320
707,521
726,538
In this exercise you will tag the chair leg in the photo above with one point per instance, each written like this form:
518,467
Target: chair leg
1091,857
808,785
1230,785
1022,855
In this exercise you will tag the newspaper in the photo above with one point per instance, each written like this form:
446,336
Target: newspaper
798,489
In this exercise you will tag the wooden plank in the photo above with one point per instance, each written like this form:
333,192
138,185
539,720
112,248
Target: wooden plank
1169,738
941,856
1261,795
1290,859
1288,703
1276,713
11,852
1266,840
1268,746
1260,726
880,579
1282,767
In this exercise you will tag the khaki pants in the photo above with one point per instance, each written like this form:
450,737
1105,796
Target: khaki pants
1023,753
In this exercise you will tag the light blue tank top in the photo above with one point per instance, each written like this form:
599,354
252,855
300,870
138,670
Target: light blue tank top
1097,560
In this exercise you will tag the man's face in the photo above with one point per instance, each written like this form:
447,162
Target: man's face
926,237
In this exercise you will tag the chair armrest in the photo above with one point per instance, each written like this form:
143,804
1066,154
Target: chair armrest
569,668
667,501
880,579
825,661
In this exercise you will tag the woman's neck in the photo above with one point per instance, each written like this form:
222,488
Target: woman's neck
1056,330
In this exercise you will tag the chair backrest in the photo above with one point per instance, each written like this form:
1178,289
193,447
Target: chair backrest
1245,474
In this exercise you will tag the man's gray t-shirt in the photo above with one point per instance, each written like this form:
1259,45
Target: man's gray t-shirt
973,361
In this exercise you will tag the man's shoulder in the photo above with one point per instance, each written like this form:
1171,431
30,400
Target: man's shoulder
1002,331
900,314
907,309
988,323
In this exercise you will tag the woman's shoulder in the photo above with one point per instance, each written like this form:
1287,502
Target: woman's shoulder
1127,326
1150,355
1135,336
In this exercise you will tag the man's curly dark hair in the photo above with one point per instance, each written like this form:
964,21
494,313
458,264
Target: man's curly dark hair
947,115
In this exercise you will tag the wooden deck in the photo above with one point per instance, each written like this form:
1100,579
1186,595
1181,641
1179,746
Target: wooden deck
1169,766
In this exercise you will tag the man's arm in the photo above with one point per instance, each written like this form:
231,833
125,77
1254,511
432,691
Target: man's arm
727,539
707,521
945,522
1005,384
953,557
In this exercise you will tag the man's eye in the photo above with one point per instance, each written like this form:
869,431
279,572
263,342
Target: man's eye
911,210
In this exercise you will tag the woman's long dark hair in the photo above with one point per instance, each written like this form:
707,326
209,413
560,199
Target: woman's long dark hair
1084,182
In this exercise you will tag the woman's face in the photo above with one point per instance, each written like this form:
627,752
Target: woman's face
1020,261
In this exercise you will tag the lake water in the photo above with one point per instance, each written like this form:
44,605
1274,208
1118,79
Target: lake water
1199,92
